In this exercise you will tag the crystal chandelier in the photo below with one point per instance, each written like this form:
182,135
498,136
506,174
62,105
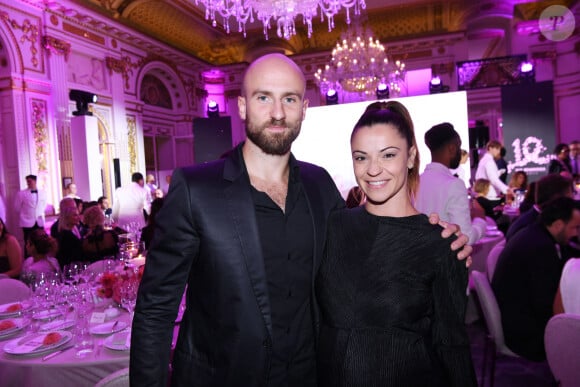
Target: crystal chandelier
282,13
359,65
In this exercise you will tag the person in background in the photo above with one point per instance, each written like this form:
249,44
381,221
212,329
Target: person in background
355,197
442,193
68,236
519,181
460,171
487,169
391,293
103,202
148,231
547,188
529,198
561,163
71,191
10,253
30,204
150,183
245,234
575,159
527,275
42,248
502,165
131,201
97,243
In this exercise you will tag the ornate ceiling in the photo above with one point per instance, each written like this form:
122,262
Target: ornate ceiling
181,24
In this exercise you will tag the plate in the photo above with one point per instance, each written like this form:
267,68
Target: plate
32,344
46,314
119,341
56,324
4,312
107,328
19,324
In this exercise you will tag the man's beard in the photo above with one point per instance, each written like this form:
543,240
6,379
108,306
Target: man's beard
276,144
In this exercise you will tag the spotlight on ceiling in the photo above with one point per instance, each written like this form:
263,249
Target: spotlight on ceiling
527,72
382,91
82,99
436,86
213,109
331,97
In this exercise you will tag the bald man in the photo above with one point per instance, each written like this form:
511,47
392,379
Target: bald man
246,234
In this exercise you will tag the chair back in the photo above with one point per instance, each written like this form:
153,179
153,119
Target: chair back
492,258
118,378
13,290
490,311
562,340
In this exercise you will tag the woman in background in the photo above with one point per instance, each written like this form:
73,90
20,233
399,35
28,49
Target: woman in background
391,292
519,181
98,243
42,248
10,253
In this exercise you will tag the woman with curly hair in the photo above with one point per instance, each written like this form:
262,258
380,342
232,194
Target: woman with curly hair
98,243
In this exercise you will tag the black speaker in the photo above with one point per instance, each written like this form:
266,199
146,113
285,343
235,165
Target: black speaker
117,170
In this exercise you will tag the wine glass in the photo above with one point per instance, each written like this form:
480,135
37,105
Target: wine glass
129,295
70,274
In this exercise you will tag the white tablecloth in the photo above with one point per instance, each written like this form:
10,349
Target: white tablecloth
63,370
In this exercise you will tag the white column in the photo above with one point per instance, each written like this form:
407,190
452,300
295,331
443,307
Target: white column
84,136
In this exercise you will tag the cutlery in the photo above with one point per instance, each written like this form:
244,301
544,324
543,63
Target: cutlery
114,326
53,354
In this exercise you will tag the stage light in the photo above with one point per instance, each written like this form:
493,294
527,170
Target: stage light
382,91
82,99
527,72
331,97
213,109
436,86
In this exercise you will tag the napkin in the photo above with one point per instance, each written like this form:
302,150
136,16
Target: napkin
30,345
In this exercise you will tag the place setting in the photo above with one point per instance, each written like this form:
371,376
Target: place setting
11,327
12,309
37,343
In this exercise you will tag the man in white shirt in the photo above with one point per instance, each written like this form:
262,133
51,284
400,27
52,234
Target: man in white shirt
443,193
487,169
30,204
130,201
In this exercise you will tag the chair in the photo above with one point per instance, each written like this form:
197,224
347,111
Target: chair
118,378
492,258
562,342
12,290
492,316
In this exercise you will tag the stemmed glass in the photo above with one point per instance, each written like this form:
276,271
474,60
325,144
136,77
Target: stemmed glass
129,295
70,273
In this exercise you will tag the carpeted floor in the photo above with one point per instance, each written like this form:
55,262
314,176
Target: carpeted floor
509,371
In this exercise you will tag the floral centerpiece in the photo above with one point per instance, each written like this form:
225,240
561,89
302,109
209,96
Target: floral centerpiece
111,283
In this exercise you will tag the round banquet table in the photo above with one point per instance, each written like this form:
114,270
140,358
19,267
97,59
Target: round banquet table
64,369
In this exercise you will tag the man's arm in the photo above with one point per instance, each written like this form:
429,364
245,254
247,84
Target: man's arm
461,241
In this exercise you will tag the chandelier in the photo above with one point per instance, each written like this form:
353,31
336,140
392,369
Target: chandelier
282,13
360,65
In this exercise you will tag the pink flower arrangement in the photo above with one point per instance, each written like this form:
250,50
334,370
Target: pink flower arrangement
111,283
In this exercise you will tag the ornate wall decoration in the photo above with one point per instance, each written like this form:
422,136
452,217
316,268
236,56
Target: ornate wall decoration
40,134
190,86
56,46
132,142
29,34
153,92
123,66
